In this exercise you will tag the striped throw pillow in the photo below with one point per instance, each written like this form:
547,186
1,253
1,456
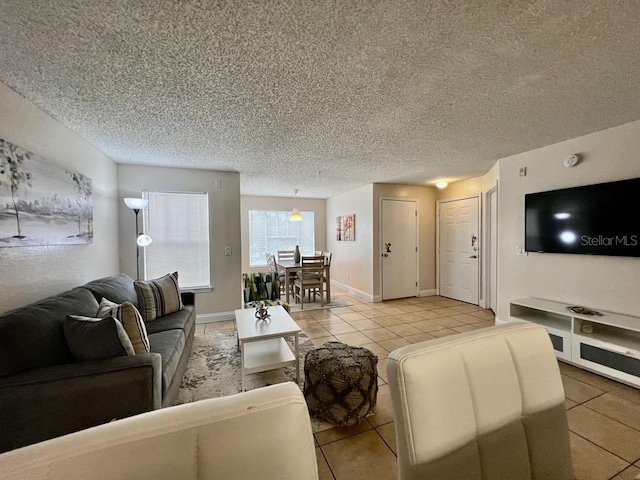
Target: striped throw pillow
131,320
159,297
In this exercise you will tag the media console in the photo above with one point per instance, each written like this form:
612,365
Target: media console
608,344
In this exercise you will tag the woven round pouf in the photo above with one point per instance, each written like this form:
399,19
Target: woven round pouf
340,382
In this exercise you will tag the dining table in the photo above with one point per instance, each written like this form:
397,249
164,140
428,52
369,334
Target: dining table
289,266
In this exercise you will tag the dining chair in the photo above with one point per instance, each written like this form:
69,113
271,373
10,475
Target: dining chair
285,255
271,263
327,262
310,278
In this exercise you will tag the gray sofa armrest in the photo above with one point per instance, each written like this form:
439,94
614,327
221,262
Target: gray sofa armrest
52,401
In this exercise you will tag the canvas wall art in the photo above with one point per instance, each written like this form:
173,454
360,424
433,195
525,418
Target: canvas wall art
41,202
346,228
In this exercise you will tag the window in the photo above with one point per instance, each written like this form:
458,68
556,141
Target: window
270,231
178,223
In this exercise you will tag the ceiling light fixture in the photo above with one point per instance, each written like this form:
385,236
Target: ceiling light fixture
441,184
295,215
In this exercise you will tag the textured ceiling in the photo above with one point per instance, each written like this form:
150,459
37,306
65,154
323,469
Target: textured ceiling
325,96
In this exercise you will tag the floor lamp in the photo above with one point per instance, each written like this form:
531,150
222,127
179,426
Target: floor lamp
142,240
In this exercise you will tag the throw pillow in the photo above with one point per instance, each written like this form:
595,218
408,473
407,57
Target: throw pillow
159,297
131,320
96,338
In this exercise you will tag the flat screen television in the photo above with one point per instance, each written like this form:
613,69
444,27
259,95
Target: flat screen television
601,219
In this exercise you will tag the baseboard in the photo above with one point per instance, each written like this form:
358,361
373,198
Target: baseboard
365,296
500,322
427,293
214,317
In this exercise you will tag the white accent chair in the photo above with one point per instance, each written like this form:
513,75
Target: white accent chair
264,433
487,404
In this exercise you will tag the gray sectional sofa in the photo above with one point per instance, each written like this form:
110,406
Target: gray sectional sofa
44,393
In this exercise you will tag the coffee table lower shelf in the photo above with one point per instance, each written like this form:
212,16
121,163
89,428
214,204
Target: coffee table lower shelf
264,355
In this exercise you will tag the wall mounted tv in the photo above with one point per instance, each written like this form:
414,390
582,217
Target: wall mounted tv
600,219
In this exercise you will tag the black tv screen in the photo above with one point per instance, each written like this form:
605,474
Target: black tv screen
600,219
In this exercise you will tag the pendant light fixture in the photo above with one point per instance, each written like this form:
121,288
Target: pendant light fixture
295,216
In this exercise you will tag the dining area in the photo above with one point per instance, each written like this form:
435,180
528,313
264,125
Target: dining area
302,278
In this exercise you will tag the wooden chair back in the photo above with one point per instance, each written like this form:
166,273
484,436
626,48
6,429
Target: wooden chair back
285,255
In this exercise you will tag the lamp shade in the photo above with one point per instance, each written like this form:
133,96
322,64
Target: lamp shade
136,203
295,216
143,240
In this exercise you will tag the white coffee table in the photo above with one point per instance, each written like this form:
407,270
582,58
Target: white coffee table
262,343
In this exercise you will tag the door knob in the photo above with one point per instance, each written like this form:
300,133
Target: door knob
385,254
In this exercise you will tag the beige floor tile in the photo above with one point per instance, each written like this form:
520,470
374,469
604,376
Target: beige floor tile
362,457
338,433
466,328
219,327
620,409
333,320
322,340
578,391
376,349
316,331
445,312
630,473
394,343
589,378
383,411
200,329
380,380
362,308
354,338
408,317
365,324
378,334
307,322
342,327
391,310
375,313
609,434
569,404
420,337
318,314
627,392
428,315
591,462
466,308
300,315
445,332
465,318
448,322
389,321
388,434
405,330
410,308
352,317
382,370
341,310
324,472
427,326
484,315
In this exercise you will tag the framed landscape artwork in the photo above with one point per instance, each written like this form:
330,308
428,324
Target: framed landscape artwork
346,228
41,202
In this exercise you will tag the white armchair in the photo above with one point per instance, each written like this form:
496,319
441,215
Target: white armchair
264,433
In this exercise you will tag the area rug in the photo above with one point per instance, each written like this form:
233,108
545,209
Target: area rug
213,370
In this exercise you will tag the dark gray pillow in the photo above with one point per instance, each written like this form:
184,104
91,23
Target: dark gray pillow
96,338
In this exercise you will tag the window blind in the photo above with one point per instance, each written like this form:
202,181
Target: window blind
178,223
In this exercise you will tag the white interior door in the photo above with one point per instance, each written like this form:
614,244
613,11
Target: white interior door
459,250
493,247
399,249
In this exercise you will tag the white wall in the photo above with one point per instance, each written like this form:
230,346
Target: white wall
28,274
600,282
224,218
281,204
426,199
352,262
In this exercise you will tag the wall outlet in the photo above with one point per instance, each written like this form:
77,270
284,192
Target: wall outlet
227,251
521,251
218,184
523,171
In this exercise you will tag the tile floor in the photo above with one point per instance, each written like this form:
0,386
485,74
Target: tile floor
604,416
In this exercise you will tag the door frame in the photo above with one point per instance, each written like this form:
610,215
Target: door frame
380,240
480,233
490,263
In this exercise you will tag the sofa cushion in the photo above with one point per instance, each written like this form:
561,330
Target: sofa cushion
158,297
131,320
182,320
117,288
32,336
170,345
96,338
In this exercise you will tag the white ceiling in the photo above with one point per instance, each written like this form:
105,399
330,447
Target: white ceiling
325,96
